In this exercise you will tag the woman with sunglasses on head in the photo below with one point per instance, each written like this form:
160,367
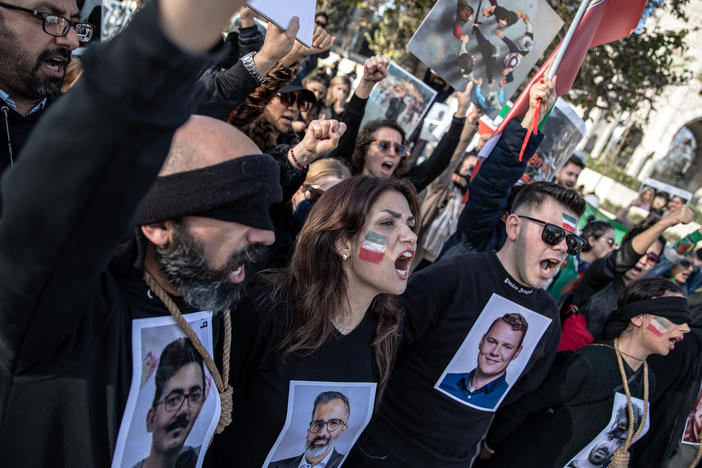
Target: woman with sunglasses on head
604,280
581,415
600,241
330,317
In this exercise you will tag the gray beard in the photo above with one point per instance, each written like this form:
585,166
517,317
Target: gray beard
184,263
316,451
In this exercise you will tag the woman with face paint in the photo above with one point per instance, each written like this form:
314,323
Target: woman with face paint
572,419
331,316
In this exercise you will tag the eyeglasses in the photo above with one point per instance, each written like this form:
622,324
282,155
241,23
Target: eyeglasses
303,102
553,235
174,400
332,425
385,145
652,258
55,25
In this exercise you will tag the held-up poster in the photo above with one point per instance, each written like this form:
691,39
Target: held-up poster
173,405
563,131
401,97
280,13
492,43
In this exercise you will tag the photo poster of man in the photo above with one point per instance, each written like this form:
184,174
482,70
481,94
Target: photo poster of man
173,405
494,43
600,451
667,189
493,355
693,425
563,131
323,421
401,97
437,122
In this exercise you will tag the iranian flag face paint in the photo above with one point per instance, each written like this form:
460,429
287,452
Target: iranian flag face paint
569,223
659,325
373,247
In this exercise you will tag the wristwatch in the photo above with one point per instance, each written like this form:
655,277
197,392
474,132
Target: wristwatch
248,62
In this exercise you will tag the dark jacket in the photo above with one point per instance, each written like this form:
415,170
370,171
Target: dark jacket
294,462
678,379
480,227
12,142
602,282
65,339
553,424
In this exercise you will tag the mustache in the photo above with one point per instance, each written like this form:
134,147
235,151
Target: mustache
55,52
181,422
318,438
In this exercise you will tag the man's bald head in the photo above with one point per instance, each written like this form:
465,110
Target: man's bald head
204,141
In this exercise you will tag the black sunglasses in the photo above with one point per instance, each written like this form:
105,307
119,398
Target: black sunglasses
321,24
553,235
304,103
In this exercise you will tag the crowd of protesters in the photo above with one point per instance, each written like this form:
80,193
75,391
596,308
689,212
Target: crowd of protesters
206,260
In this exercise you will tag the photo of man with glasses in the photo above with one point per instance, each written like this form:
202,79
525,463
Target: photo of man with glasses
330,416
180,394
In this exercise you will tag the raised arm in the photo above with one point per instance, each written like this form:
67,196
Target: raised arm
70,199
375,69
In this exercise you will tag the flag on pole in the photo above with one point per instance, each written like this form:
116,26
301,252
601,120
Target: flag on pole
603,21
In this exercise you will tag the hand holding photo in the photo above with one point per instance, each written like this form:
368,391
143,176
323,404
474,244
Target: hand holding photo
280,13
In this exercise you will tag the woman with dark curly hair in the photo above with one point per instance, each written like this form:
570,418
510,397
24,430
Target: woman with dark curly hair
380,147
330,317
593,404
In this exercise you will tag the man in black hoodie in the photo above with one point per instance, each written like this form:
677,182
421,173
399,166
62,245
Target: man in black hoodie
36,40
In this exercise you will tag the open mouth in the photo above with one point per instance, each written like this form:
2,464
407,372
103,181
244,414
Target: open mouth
673,340
55,65
548,266
403,262
237,275
387,166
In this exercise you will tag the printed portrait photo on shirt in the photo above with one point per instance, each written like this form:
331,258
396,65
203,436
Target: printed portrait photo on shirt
693,424
493,355
173,405
600,451
493,44
323,421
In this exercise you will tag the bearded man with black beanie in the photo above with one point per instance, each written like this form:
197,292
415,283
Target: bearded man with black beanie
67,302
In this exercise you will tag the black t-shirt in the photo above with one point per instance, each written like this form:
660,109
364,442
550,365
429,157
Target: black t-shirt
261,379
422,425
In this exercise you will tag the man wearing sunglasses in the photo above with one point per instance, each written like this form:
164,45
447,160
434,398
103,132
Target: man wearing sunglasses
443,302
641,250
36,40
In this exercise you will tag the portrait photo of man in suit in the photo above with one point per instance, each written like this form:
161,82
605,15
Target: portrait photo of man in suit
330,416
